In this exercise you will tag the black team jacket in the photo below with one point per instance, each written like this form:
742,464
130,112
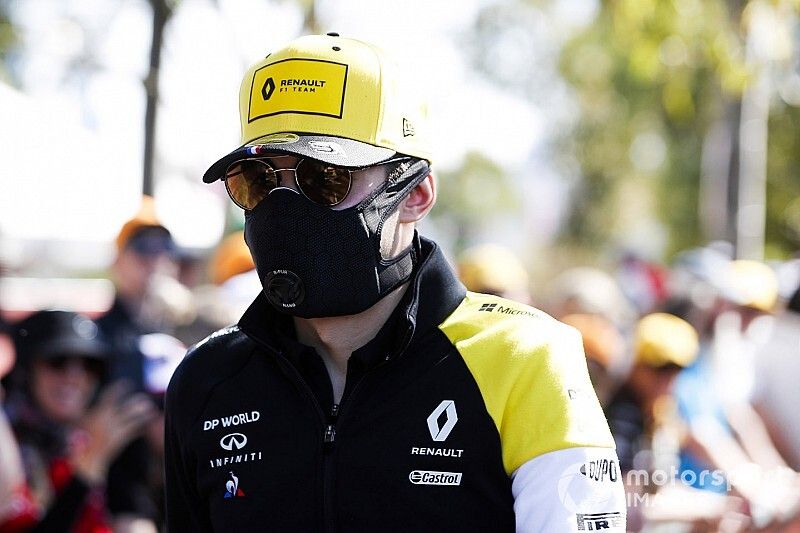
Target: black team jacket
448,416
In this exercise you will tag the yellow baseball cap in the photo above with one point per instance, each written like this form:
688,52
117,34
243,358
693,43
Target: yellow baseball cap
492,268
753,284
661,339
337,100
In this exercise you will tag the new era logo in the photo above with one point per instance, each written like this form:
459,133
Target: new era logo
408,128
487,307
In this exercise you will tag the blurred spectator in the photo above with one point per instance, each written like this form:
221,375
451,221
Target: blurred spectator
751,292
148,300
647,432
143,271
644,283
231,258
604,346
7,355
66,445
725,432
162,354
589,290
12,475
777,394
494,269
663,345
234,286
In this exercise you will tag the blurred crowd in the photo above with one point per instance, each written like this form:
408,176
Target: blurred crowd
82,426
696,363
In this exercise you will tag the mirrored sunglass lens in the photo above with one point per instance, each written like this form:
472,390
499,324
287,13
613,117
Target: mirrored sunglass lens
249,181
322,183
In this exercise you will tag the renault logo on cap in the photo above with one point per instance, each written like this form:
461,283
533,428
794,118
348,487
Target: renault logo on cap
439,434
233,441
268,89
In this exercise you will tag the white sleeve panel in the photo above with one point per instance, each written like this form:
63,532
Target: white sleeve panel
574,489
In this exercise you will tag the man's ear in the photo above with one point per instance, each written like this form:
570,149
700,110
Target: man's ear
419,201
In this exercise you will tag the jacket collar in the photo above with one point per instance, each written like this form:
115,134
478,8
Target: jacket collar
433,293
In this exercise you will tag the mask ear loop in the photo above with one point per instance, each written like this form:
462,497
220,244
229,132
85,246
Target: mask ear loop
378,206
397,270
398,190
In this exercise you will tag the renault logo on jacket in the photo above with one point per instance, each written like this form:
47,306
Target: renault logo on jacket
233,441
439,434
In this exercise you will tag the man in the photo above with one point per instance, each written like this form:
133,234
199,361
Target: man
145,255
778,365
145,251
365,389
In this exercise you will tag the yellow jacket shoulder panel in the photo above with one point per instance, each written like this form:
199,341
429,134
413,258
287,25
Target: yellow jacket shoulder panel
532,374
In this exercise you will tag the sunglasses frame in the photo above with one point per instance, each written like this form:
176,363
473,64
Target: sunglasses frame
262,159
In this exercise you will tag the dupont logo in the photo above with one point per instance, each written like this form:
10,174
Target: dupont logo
487,307
601,470
233,441
599,521
426,477
439,433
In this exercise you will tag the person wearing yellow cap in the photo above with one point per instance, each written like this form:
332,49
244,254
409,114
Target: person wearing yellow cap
494,269
365,389
663,344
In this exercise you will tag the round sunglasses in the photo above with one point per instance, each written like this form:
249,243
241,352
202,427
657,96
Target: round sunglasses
249,181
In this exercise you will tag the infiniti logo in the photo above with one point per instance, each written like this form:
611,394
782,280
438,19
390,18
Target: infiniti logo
233,441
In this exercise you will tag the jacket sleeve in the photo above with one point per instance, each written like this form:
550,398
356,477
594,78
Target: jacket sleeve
532,375
185,509
570,490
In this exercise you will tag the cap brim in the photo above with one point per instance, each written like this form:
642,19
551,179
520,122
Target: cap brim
326,148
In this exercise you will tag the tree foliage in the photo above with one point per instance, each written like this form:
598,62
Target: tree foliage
7,39
651,77
471,195
649,81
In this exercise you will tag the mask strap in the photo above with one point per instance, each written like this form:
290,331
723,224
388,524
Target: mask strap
397,270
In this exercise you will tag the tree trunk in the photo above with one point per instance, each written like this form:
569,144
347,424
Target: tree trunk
161,14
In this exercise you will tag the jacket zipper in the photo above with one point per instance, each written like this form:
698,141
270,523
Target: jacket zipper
329,425
328,438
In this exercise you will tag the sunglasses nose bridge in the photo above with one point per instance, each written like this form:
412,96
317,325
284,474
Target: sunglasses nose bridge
286,182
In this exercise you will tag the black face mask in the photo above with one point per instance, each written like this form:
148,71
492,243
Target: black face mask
314,261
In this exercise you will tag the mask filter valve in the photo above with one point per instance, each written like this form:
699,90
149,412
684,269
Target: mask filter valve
284,288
